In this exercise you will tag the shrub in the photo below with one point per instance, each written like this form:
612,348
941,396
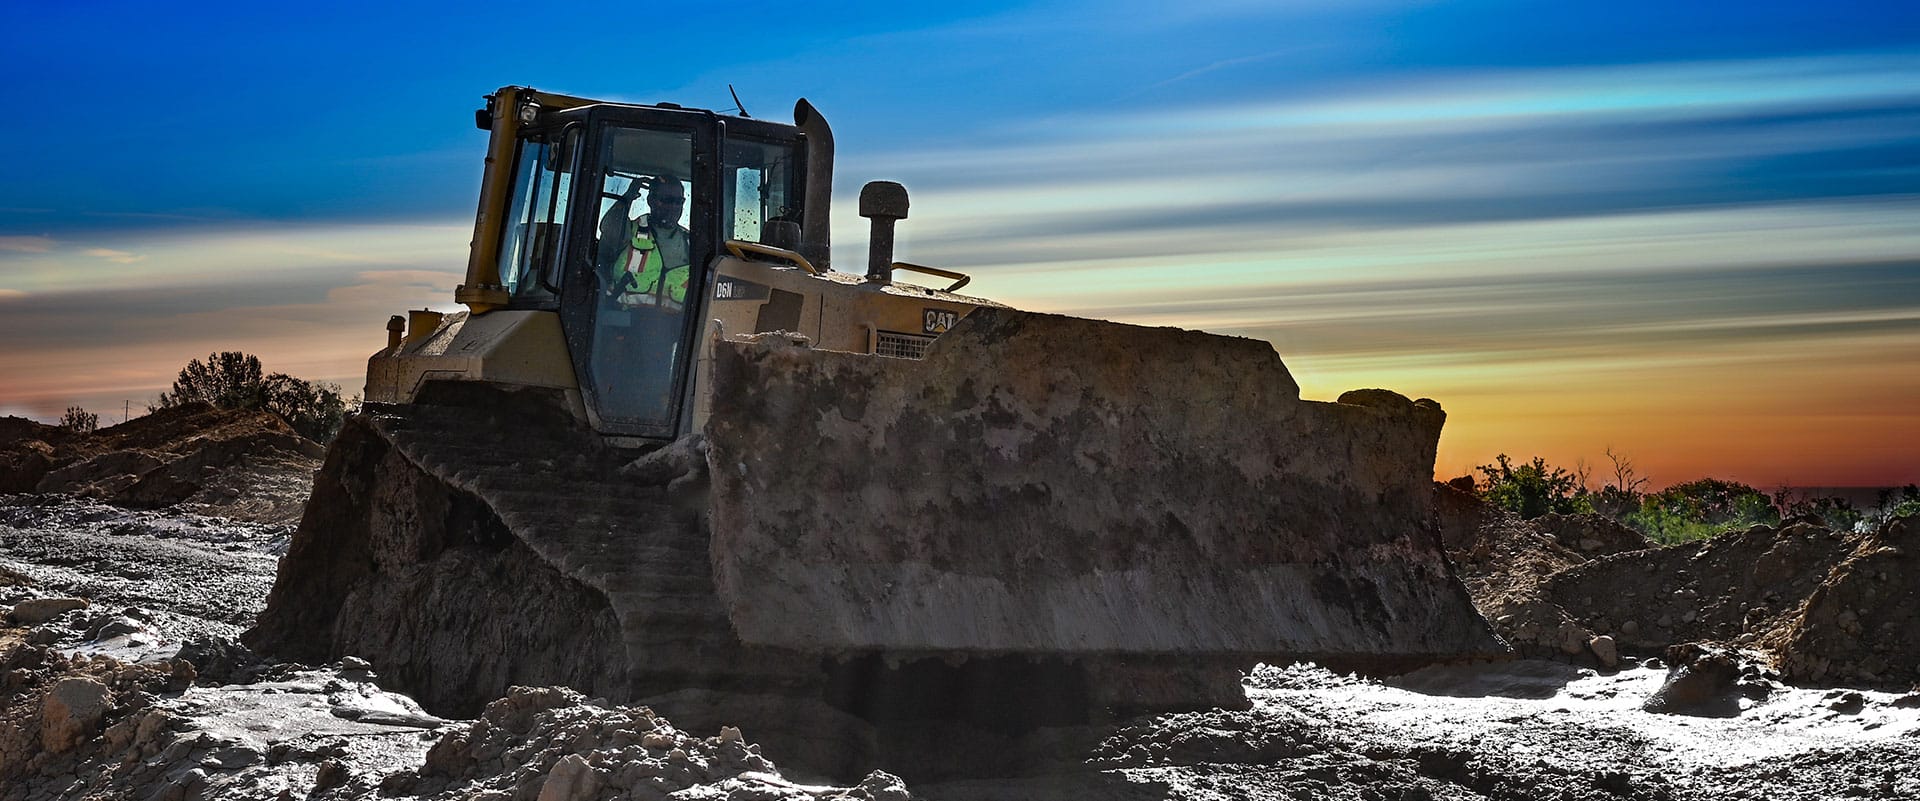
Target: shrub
1838,514
1614,502
1532,489
1908,504
1700,509
313,408
79,420
1620,497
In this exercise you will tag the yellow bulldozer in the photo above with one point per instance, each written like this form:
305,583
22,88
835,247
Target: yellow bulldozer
667,448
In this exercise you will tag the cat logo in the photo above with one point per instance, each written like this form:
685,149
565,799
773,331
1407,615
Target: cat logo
937,321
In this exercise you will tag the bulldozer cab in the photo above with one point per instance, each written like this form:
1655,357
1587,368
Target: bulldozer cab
613,216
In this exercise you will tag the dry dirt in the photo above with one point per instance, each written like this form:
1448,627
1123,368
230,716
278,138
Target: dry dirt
238,464
1821,607
174,709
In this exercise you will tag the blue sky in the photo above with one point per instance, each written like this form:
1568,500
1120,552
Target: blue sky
1657,227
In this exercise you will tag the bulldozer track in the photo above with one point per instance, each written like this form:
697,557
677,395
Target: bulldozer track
562,495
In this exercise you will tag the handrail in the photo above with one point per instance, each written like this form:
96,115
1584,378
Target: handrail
740,250
936,272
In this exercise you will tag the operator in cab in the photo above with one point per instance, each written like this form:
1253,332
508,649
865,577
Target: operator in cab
643,266
644,261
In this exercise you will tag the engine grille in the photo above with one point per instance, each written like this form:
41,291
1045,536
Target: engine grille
901,346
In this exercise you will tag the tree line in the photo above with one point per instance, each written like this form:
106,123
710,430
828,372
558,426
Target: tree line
1688,511
235,380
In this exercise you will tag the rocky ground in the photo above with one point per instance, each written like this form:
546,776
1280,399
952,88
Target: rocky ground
239,464
121,680
1775,663
1821,606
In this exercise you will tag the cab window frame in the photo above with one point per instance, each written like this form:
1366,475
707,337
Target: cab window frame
551,276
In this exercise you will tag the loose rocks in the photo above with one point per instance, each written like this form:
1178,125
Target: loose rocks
1701,682
71,712
1604,650
552,744
37,611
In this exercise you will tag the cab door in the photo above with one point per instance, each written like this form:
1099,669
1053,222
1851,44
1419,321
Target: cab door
642,237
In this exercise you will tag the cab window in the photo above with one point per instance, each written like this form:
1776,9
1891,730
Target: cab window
536,221
759,183
643,268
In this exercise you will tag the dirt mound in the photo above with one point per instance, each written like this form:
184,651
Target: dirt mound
1504,562
27,452
553,743
1590,535
244,464
1734,588
1826,606
1858,624
75,726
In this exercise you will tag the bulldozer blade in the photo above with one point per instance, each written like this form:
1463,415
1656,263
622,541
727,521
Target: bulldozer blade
1042,484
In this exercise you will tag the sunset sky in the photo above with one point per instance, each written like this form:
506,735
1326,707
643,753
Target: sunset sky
1689,232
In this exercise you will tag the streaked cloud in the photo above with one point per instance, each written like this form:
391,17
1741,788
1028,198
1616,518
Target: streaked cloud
310,300
1498,98
1564,141
115,256
25,244
213,258
1215,66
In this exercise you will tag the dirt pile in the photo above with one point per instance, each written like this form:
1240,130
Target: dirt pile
243,464
1858,625
1733,589
1505,563
553,744
76,726
1823,606
73,725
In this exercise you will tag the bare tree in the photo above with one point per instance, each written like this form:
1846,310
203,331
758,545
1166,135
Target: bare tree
1624,477
1623,495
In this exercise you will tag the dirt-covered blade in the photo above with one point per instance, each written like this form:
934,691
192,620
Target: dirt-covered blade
1046,484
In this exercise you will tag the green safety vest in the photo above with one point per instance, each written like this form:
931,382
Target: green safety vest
645,262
